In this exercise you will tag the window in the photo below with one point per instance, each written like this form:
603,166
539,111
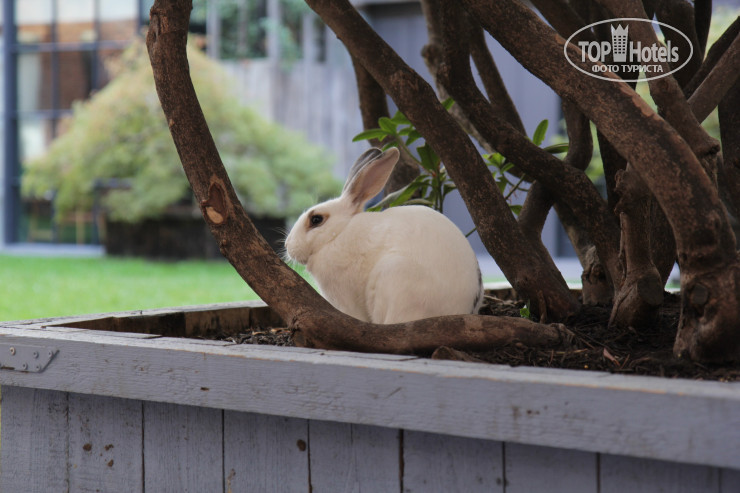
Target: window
253,28
54,54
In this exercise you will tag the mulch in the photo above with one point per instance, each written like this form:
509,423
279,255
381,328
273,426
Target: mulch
596,346
599,347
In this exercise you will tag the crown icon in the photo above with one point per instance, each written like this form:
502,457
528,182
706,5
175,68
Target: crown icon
619,43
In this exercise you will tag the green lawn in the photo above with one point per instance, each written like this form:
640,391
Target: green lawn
40,287
36,287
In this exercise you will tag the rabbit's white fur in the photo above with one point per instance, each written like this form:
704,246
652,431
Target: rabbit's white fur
402,264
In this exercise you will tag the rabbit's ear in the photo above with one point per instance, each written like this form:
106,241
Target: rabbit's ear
366,158
371,172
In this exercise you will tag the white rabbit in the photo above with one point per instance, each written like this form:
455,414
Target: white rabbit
405,263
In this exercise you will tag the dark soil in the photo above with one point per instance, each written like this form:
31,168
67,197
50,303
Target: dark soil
602,348
596,347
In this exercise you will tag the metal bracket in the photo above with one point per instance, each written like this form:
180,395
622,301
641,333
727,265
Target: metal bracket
21,357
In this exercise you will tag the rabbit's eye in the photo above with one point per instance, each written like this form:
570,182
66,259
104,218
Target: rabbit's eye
316,220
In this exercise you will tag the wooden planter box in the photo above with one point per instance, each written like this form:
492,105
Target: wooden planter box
126,409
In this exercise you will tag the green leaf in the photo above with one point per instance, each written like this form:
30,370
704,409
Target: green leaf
387,200
539,133
414,135
506,167
373,133
557,148
400,119
525,313
502,184
494,159
425,202
448,187
429,159
448,103
388,125
401,196
515,208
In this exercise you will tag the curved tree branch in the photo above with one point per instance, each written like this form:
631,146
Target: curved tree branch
567,184
729,128
680,14
539,201
704,239
498,96
640,294
598,285
654,158
563,17
499,231
432,59
313,320
702,21
715,53
714,86
373,106
666,91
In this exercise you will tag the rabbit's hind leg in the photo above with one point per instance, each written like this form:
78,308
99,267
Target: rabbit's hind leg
396,291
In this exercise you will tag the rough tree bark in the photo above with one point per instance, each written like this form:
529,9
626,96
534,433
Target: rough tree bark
530,275
313,321
566,183
598,288
729,182
680,14
717,82
675,164
666,91
445,22
640,296
705,243
373,106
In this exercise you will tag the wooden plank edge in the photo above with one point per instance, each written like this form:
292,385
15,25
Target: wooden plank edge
621,415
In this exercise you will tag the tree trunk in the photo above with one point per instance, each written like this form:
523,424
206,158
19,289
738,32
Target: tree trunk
530,275
676,163
373,106
640,293
704,240
314,322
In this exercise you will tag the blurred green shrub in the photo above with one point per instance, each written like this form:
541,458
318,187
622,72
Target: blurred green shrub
121,133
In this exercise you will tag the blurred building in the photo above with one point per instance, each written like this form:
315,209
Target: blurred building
53,54
286,62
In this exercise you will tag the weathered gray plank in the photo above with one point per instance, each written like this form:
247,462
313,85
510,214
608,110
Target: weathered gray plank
265,453
620,474
183,448
105,444
34,440
729,480
531,468
443,463
354,458
640,416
